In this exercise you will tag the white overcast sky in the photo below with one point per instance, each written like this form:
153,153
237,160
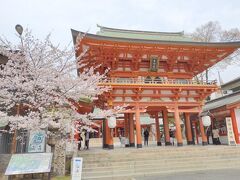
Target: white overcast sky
59,16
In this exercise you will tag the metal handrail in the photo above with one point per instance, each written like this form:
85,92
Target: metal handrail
157,81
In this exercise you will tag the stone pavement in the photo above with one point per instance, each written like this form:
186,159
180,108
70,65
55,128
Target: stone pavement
220,174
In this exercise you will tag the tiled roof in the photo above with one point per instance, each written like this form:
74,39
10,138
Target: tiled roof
222,101
144,35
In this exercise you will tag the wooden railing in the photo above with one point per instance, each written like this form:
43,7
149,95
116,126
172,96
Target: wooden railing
157,81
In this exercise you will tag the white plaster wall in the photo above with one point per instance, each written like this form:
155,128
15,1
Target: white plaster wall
182,100
145,99
128,99
121,55
129,55
147,92
161,70
129,92
117,99
119,91
143,69
183,93
120,68
192,92
166,92
166,99
191,100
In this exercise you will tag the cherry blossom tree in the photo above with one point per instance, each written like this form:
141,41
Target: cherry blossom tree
40,85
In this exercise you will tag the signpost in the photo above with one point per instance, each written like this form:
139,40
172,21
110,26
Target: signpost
30,163
77,168
36,141
231,138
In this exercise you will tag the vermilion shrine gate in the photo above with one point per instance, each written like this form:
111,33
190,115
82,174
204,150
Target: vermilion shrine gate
152,72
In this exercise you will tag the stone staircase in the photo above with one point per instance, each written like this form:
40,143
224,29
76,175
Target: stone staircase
125,163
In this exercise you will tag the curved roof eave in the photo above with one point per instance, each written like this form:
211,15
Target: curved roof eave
235,44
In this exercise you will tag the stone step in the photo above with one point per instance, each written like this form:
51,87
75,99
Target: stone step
157,151
156,170
159,162
168,157
127,162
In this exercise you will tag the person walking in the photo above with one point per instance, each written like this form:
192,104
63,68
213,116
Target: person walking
146,135
86,139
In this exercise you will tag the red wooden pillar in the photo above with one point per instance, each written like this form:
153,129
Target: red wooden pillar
188,129
204,137
99,132
131,131
115,132
178,127
157,129
138,128
166,128
126,125
234,124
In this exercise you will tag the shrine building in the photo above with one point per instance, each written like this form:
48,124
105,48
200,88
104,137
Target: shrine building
153,73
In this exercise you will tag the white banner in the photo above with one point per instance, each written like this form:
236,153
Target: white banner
231,137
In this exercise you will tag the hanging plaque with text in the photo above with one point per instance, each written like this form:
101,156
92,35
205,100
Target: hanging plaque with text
154,64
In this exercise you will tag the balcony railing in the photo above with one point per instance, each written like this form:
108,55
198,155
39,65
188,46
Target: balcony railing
157,81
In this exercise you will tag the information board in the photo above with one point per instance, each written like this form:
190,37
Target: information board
36,141
29,163
77,168
231,137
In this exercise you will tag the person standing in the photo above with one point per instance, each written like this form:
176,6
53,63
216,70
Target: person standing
216,136
146,135
209,133
86,139
80,141
172,136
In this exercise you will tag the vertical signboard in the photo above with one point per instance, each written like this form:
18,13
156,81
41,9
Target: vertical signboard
231,138
77,168
36,142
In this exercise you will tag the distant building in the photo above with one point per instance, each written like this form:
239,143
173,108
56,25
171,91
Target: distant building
228,105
